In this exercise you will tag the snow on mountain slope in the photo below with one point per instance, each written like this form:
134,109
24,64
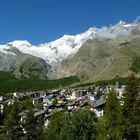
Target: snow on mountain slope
19,43
56,51
4,49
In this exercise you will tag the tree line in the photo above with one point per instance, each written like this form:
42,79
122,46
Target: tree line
9,83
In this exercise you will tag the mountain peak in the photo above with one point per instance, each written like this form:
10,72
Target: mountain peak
18,43
121,22
92,29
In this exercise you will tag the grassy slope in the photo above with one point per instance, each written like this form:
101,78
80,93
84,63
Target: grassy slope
121,80
103,59
136,65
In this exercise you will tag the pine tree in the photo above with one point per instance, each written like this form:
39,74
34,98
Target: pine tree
76,125
110,123
33,126
101,129
131,110
81,125
40,127
30,126
54,128
12,122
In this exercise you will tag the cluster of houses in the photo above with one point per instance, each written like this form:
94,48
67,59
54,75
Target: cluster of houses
65,100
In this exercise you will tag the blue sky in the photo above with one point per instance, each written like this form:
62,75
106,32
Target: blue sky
41,21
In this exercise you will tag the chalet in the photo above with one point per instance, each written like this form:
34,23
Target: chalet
59,105
78,94
63,92
10,101
37,100
47,119
48,99
56,92
99,107
1,108
61,99
18,95
86,104
73,105
49,108
92,97
1,98
120,90
35,95
51,96
37,113
58,110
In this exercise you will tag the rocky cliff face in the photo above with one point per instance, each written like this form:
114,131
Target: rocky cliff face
23,65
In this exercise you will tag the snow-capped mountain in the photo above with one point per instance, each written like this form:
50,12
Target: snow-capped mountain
54,51
68,45
68,55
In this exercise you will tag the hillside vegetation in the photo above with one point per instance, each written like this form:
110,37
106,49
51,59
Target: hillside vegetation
8,83
136,65
103,59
